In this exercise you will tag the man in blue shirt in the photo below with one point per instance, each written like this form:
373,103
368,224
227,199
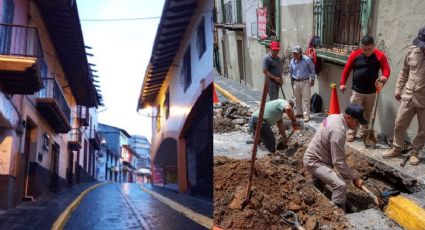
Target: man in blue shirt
302,74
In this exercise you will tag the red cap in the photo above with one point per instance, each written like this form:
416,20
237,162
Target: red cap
274,46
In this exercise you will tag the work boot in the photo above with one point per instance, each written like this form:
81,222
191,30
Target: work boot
306,118
394,152
414,158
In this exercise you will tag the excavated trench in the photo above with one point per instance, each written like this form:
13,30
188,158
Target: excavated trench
281,183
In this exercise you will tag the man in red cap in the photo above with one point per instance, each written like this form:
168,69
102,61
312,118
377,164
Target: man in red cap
273,70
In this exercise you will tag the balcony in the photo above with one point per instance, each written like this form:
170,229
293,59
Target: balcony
83,116
232,15
74,142
94,139
21,59
53,107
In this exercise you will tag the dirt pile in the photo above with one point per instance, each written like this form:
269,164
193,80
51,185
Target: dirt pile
230,117
280,184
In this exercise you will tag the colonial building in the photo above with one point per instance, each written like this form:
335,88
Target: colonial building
45,85
177,92
241,39
115,154
141,145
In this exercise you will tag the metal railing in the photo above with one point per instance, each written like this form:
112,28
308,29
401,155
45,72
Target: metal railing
94,135
338,23
19,40
52,90
83,115
232,12
75,135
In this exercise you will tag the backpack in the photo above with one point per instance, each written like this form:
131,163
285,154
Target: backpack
316,103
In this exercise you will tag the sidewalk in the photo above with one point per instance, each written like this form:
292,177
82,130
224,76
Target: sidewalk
196,204
247,95
40,214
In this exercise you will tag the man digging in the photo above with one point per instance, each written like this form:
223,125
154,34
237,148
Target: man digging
273,112
326,152
410,90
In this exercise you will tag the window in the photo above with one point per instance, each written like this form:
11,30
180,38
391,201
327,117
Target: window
186,72
232,12
271,19
167,104
200,38
339,24
7,9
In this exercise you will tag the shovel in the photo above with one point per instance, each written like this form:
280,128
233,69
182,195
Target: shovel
369,138
283,94
240,200
282,144
291,219
376,200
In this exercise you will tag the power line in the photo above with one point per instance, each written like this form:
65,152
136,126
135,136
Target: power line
118,19
131,19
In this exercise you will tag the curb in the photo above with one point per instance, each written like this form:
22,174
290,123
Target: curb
198,218
226,94
406,212
64,216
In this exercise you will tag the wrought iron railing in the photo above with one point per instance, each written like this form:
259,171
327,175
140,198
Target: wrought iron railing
232,12
19,40
94,135
75,135
338,23
83,115
52,90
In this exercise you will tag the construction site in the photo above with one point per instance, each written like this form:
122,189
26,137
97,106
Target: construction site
283,195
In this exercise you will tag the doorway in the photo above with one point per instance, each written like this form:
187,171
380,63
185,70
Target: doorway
54,168
239,46
23,168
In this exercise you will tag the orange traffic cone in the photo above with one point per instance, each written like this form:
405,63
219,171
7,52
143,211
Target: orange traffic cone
334,104
215,97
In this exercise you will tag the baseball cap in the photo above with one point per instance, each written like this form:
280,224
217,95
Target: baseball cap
296,49
274,46
356,111
420,40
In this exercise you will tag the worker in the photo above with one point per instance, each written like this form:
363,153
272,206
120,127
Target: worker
365,63
326,152
410,90
273,70
302,74
273,112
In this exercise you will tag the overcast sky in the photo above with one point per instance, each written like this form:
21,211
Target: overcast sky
122,50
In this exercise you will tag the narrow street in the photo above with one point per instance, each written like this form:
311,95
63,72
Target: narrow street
126,206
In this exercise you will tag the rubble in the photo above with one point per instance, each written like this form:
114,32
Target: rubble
281,183
229,117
